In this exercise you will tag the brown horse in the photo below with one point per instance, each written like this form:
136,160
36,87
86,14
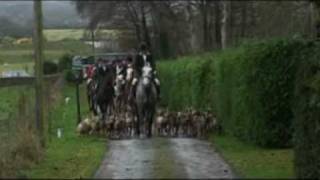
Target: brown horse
105,93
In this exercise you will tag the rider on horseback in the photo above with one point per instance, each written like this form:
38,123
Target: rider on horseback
143,58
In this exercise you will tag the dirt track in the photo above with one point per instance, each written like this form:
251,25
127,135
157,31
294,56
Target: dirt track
162,158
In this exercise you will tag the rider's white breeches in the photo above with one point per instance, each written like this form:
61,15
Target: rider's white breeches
134,81
157,81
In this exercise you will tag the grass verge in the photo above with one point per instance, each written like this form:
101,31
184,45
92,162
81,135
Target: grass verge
71,156
250,161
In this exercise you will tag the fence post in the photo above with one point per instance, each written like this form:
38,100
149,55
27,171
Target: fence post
93,41
78,100
38,53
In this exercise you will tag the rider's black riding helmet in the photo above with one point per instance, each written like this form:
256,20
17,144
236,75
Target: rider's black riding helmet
143,47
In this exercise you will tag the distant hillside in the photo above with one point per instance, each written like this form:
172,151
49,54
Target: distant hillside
57,14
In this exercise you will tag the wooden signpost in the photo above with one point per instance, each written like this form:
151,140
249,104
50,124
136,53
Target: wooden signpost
77,69
38,54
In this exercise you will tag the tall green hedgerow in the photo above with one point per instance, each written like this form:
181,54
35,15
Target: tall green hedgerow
307,115
187,82
255,91
250,88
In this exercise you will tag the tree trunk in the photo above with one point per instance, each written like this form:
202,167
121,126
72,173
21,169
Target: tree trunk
192,36
218,24
225,31
138,32
243,19
204,11
316,8
146,34
252,19
93,42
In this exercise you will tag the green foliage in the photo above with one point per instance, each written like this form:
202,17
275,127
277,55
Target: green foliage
7,40
18,53
255,91
65,62
72,156
187,82
250,88
69,76
307,116
250,161
50,67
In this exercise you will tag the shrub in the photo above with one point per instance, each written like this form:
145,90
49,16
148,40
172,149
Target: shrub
307,116
21,148
7,40
187,82
50,67
65,62
69,76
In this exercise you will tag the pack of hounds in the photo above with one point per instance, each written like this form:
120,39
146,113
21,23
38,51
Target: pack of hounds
187,123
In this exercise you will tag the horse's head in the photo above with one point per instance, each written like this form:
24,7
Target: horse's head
146,74
119,84
129,75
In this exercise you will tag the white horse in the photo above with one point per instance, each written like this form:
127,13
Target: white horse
146,97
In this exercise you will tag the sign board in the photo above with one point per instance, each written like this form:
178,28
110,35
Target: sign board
77,63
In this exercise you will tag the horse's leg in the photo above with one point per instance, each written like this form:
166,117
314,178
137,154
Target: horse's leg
138,124
150,128
149,120
142,122
88,97
145,122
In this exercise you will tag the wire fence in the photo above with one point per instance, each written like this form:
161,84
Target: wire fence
18,140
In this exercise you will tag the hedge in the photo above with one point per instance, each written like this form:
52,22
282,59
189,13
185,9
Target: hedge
255,90
187,82
307,116
250,88
265,93
50,67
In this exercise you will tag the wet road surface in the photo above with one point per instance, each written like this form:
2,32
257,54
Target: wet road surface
162,158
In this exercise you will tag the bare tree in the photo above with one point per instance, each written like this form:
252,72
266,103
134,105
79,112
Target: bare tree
225,24
315,10
181,27
217,9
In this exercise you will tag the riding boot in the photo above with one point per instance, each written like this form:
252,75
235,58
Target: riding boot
157,83
158,92
132,93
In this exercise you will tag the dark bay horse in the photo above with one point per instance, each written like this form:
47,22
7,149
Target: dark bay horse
105,91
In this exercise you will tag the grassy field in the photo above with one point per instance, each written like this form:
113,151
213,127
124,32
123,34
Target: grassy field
62,34
253,162
71,156
53,50
58,43
72,34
